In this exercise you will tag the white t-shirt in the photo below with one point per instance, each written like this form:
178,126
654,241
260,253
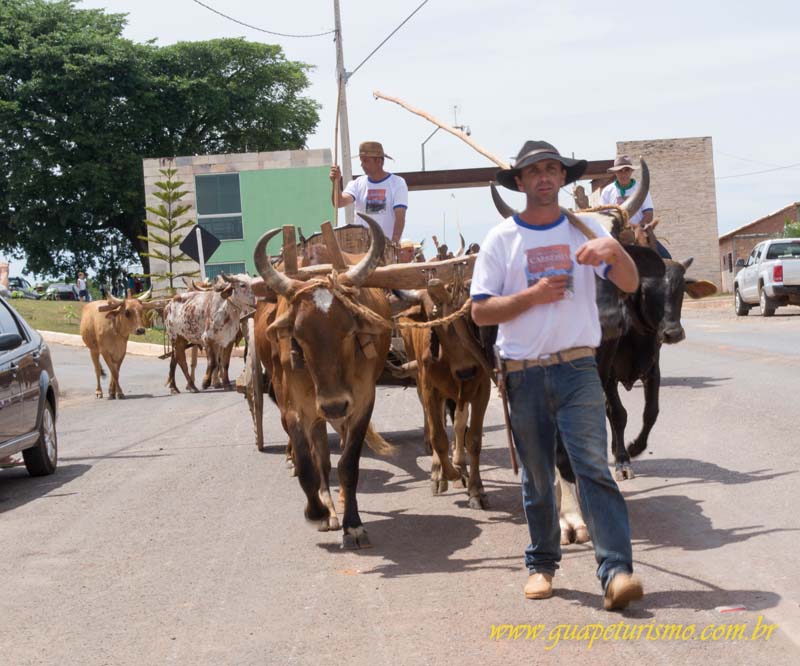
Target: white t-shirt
513,257
378,199
81,284
613,194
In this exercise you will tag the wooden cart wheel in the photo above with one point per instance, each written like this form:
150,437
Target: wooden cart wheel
254,385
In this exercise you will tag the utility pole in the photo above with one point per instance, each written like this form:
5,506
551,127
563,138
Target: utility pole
344,129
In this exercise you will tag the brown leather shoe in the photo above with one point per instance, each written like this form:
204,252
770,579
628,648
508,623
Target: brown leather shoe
539,586
621,590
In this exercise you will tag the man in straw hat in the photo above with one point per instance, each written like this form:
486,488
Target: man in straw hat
381,195
535,278
623,187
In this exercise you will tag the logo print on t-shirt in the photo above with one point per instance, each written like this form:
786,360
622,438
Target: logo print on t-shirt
546,261
376,201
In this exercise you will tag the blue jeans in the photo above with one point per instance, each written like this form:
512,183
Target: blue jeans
567,398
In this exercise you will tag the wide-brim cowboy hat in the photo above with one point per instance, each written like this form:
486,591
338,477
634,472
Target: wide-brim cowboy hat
372,149
536,151
622,162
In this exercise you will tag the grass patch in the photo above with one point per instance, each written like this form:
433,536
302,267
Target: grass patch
65,317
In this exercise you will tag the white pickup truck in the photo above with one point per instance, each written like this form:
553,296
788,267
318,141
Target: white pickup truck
769,278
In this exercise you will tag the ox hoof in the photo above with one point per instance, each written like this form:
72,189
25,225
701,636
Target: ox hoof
174,391
120,396
192,389
479,502
111,396
329,525
581,535
98,394
227,387
439,486
623,472
355,539
566,537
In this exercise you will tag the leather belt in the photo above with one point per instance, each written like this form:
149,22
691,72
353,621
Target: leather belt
545,360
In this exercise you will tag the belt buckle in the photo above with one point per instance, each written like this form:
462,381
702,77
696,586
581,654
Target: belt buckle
545,359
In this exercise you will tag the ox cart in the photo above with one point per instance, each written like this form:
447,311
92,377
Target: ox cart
328,252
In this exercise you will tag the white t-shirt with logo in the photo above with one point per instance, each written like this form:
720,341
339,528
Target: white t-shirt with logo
613,194
378,199
513,257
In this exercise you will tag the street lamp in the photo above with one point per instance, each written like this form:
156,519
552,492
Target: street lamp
463,128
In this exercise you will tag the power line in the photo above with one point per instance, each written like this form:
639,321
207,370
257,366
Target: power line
746,159
252,27
349,74
754,173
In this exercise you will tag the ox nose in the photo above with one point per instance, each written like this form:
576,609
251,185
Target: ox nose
335,409
466,374
140,331
674,335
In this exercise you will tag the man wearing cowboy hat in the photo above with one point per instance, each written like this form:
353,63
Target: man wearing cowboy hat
381,195
623,187
535,278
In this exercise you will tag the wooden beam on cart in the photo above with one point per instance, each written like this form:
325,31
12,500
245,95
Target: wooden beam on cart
289,250
393,276
329,238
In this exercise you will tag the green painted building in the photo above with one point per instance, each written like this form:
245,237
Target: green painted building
238,197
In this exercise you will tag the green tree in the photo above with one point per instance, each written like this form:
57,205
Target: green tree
81,106
164,233
791,228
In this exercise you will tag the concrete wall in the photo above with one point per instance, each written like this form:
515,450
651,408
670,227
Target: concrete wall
277,188
684,199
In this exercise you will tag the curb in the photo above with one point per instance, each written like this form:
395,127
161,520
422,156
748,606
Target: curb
135,348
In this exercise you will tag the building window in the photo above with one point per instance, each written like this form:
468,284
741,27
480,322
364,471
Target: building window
219,205
730,262
212,270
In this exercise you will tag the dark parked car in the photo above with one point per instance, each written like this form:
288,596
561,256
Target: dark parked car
28,395
61,291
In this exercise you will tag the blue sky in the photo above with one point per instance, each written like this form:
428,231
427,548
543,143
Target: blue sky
580,75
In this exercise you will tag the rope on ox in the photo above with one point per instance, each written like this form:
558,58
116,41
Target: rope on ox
345,295
601,209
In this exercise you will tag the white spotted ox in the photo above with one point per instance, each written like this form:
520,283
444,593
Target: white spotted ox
210,319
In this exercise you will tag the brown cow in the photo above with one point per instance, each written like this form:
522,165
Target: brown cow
450,366
326,361
105,329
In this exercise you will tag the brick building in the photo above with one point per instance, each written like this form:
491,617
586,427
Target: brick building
739,243
684,198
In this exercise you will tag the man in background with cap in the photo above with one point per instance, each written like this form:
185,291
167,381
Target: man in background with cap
535,278
623,187
379,194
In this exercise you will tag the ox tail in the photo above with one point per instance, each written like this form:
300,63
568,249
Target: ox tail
377,443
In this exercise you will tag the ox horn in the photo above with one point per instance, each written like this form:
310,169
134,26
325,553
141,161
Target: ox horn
145,295
502,207
359,273
463,245
632,205
278,282
113,299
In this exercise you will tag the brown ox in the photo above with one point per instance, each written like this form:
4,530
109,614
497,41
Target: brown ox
105,329
450,366
326,361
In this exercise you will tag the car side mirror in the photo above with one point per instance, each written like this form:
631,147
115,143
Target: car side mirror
10,341
740,263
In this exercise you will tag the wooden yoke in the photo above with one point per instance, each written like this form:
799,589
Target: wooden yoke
329,238
289,250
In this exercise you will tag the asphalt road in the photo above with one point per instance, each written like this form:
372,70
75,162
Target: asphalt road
166,538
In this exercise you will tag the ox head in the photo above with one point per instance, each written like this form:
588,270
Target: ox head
237,289
456,343
333,344
127,314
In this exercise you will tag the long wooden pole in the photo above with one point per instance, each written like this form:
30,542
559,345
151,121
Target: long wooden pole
455,132
335,217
